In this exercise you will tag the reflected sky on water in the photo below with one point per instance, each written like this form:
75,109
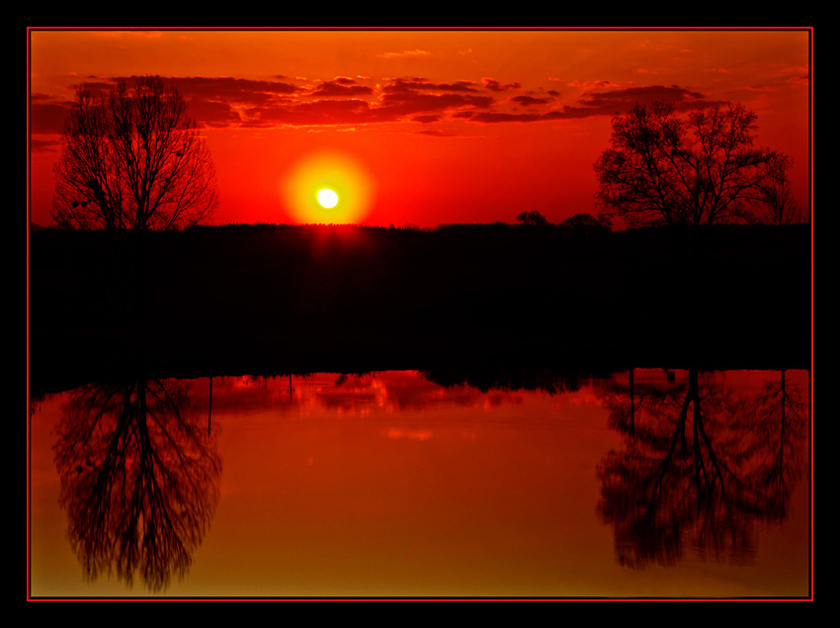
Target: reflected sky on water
648,483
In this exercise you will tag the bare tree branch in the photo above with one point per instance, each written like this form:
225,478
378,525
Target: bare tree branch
703,169
133,160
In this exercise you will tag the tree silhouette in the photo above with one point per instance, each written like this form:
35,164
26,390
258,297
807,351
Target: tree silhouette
139,479
133,160
662,169
587,223
700,466
533,218
777,425
782,207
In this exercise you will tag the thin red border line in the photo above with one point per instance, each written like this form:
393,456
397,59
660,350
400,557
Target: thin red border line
811,220
498,28
809,29
28,400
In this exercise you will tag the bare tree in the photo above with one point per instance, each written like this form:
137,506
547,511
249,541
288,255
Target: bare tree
782,206
703,465
703,169
134,160
139,479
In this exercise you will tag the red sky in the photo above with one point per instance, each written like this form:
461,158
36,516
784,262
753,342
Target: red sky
423,127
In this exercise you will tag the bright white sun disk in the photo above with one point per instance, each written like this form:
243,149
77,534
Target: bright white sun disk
327,198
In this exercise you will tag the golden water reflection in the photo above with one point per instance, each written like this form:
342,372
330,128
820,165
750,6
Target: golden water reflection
648,483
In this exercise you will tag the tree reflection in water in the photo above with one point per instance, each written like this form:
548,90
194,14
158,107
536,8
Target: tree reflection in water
700,467
139,479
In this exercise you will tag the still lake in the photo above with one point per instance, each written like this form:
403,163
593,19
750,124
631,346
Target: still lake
648,483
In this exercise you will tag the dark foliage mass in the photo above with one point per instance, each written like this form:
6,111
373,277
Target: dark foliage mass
245,299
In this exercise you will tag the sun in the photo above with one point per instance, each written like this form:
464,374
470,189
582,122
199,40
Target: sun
327,198
327,187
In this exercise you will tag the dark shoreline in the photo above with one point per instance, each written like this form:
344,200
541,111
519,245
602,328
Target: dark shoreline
274,300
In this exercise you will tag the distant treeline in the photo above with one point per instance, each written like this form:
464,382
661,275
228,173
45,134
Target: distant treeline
279,298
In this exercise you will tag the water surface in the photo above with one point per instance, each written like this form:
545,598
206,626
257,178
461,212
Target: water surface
648,483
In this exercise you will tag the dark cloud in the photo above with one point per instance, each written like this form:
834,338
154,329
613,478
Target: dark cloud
235,90
213,101
52,143
46,116
215,89
530,100
607,103
436,133
426,119
319,112
96,85
341,87
426,101
406,103
621,100
421,84
489,117
213,114
218,102
494,85
415,99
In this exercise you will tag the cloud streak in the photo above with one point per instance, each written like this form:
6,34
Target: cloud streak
219,102
405,53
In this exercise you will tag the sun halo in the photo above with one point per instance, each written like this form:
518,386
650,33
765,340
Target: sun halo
328,187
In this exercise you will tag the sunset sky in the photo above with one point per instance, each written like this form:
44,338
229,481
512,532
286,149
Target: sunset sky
421,126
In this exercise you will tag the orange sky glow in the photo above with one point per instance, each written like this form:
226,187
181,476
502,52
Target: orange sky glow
421,126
